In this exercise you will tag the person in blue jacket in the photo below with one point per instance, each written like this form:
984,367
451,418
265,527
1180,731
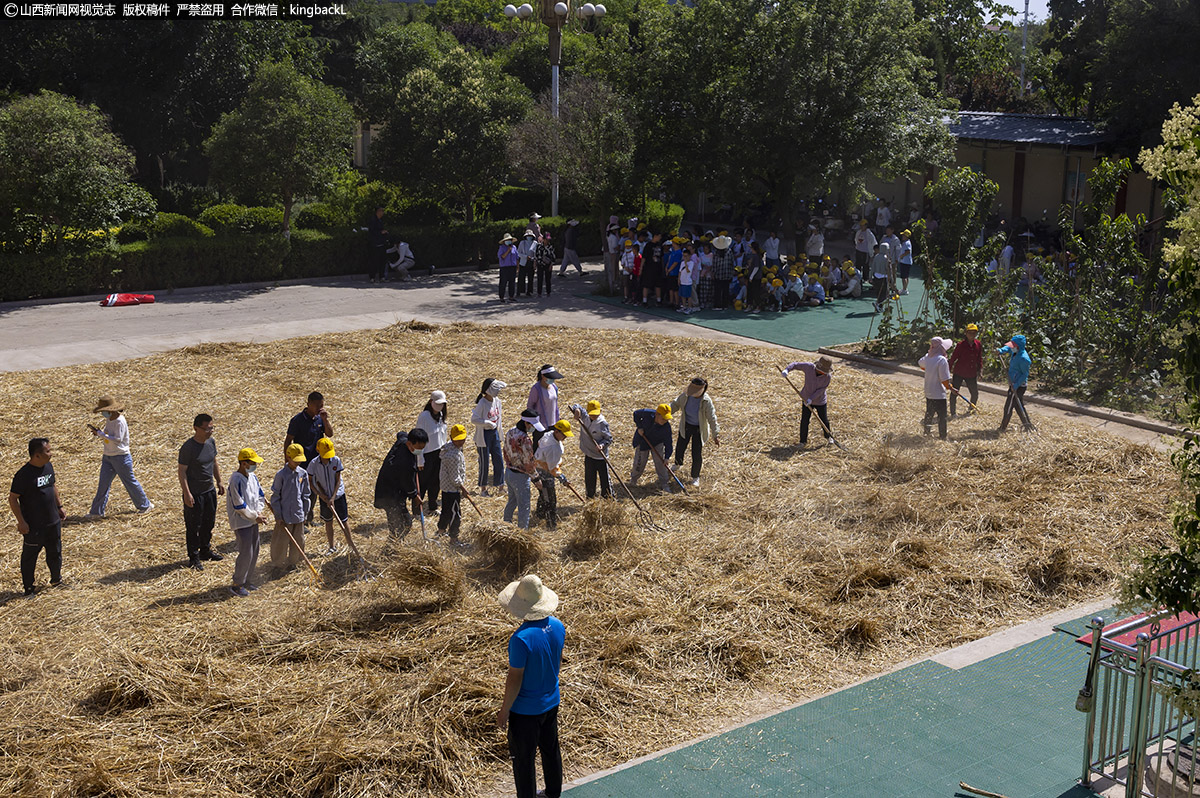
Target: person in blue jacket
1018,377
652,428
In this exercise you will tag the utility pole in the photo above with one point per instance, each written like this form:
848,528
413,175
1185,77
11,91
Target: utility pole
1024,46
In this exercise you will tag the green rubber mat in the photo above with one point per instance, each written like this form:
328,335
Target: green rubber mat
1007,724
839,322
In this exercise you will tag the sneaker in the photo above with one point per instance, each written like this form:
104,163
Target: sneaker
209,554
673,466
483,492
696,482
60,584
29,591
331,551
146,509
250,586
239,591
93,516
195,564
903,292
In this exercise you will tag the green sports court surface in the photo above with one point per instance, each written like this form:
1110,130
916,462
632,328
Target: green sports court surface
1007,724
839,322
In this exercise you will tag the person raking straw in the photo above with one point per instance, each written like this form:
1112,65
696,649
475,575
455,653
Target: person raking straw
453,479
1018,380
245,504
548,462
937,384
594,444
813,394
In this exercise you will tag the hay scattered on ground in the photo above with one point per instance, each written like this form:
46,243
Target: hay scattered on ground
789,573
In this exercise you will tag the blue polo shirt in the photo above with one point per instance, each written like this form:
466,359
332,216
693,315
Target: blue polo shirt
674,261
306,430
537,647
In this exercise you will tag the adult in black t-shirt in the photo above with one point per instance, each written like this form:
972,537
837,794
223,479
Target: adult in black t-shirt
200,481
378,238
33,499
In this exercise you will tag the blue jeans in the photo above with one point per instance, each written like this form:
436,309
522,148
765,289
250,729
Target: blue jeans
518,497
491,447
118,465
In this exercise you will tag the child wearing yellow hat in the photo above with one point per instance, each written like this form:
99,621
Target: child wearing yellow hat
548,462
652,429
453,478
246,504
594,443
325,479
291,501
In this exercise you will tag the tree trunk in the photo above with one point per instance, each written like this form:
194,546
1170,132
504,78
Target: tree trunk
469,208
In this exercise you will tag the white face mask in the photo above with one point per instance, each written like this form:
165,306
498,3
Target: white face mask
252,468
107,414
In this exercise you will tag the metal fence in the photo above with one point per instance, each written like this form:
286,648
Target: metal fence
1137,734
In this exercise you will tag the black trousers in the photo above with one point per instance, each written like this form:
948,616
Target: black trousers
399,519
431,478
690,433
527,735
720,294
525,279
592,470
508,279
972,385
806,416
198,520
451,518
48,538
937,406
1010,403
379,261
543,274
547,500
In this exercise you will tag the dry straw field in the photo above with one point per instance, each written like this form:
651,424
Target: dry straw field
788,574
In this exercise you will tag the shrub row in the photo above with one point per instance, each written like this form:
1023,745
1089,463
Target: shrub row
173,251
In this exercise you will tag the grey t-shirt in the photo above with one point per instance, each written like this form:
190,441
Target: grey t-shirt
199,459
691,411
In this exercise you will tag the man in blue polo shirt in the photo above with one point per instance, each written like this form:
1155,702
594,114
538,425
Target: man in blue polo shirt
309,426
531,697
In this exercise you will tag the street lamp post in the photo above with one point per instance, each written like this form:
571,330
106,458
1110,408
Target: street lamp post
555,15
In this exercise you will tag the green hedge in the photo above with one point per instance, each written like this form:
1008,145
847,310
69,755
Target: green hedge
163,261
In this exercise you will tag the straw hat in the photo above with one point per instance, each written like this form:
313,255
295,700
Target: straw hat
108,403
507,237
528,599
722,241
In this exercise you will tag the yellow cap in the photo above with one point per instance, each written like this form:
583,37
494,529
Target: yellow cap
593,407
973,326
628,243
664,410
325,448
564,427
737,304
296,452
250,455
458,433
777,282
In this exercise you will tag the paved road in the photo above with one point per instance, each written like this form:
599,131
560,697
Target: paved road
35,336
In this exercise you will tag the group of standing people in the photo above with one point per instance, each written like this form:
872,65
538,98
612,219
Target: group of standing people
532,256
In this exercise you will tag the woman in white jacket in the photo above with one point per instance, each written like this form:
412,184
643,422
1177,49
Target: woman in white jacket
698,425
486,418
429,460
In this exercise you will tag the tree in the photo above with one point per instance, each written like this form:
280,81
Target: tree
289,138
590,146
1170,576
163,83
446,130
62,171
783,101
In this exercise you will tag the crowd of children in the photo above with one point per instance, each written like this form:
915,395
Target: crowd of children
692,271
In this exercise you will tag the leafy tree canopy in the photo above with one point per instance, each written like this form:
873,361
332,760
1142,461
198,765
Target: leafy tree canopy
290,137
62,173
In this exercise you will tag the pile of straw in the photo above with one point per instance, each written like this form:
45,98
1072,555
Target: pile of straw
789,573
